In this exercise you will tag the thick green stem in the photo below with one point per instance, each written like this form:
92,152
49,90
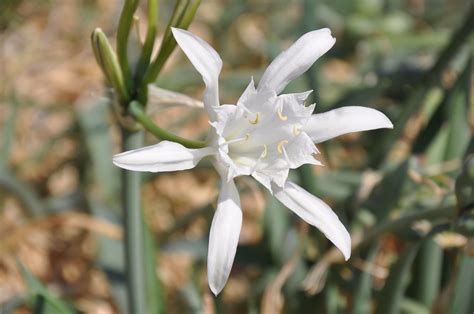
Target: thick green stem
133,227
140,116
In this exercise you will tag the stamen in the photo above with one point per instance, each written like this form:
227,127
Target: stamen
286,156
237,140
280,146
257,117
280,114
296,130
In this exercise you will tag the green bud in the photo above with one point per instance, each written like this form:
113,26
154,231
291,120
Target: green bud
107,60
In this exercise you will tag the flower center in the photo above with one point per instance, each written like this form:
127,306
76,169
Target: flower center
268,133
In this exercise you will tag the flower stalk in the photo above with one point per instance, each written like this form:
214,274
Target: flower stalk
136,111
123,32
183,14
133,227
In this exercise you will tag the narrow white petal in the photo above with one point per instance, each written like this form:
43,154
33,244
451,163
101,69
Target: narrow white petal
315,212
206,61
323,126
164,156
296,60
224,236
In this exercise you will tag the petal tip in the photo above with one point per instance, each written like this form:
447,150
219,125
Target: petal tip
346,248
215,290
175,29
347,255
387,124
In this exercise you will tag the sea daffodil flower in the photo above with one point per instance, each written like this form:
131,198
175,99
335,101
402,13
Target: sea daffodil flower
264,135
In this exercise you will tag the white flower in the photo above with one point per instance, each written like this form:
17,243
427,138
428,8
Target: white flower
264,135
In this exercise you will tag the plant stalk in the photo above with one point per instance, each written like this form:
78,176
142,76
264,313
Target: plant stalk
140,116
133,227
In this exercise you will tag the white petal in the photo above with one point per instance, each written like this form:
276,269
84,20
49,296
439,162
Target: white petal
323,126
164,156
296,60
300,151
315,212
248,92
224,236
206,61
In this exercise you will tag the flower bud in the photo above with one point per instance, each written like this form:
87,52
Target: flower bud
107,60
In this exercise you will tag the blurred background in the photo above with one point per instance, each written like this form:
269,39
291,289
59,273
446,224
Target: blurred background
406,195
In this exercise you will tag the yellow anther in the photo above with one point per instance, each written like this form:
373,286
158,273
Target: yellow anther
265,151
257,117
280,114
280,146
296,130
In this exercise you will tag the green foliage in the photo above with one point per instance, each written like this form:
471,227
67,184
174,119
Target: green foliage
40,299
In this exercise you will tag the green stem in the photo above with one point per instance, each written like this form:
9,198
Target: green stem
182,17
123,32
133,227
144,61
137,112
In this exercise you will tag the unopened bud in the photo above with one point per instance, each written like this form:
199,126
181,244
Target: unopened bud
107,60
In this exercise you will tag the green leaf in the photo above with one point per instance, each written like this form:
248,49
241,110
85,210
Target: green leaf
391,296
427,272
464,186
276,224
110,255
39,296
436,150
387,193
408,306
93,120
8,134
459,130
155,297
462,300
363,289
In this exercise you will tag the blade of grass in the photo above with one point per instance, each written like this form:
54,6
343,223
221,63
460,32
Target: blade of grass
155,298
415,100
93,122
462,300
391,296
427,272
8,134
40,297
362,298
